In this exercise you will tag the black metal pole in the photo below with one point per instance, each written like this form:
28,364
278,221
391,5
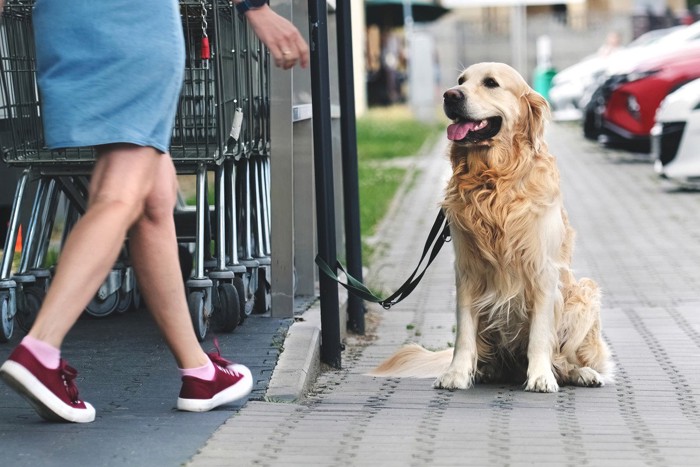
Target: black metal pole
323,172
348,134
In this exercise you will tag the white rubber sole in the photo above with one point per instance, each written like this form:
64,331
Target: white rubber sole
45,402
232,394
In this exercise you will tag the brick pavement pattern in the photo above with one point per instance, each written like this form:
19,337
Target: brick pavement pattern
638,238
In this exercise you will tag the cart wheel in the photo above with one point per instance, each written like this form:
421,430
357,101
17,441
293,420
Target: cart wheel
8,323
240,289
200,320
125,300
101,308
262,301
228,314
29,306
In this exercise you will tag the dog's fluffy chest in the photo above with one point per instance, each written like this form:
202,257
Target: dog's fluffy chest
499,231
503,244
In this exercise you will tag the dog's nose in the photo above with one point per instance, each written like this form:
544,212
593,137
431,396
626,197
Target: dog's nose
453,95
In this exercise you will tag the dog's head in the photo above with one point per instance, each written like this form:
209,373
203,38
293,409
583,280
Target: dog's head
492,103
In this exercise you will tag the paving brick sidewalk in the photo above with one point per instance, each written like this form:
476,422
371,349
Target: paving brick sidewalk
639,240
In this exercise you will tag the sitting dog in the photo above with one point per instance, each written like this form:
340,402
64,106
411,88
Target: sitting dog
521,314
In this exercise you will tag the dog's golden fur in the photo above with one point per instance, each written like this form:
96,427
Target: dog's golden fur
521,314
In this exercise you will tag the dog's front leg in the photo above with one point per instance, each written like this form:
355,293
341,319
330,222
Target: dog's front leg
540,377
460,373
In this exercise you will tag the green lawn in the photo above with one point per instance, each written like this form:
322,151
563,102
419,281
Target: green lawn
390,132
384,134
377,188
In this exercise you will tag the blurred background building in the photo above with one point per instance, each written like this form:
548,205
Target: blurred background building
420,46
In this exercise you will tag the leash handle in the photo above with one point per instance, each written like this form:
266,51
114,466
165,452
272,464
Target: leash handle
439,234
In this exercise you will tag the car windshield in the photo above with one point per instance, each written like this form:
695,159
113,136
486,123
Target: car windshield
654,36
683,34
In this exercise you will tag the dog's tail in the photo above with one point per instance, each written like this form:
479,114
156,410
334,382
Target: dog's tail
413,361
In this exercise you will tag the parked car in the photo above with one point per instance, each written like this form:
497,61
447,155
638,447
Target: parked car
648,46
676,136
569,85
632,98
572,87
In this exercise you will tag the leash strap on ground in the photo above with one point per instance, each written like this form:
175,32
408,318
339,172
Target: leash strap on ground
439,234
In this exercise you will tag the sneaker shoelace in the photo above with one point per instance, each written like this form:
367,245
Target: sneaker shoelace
221,362
68,375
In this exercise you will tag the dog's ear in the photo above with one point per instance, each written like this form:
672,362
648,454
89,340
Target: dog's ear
537,116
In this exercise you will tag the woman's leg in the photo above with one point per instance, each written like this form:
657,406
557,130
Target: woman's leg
153,251
122,179
131,187
206,383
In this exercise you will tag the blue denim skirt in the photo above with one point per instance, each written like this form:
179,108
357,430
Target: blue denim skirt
108,71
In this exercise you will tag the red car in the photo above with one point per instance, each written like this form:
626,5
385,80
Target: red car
631,99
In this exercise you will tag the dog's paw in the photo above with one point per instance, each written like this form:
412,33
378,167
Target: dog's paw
453,379
542,383
586,376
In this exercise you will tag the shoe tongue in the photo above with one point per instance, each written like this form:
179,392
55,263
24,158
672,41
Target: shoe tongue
458,131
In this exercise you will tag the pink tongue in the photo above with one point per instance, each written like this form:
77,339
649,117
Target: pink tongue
458,131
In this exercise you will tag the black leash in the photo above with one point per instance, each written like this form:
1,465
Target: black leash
439,234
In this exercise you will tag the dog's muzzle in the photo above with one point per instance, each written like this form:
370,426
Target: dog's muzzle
465,129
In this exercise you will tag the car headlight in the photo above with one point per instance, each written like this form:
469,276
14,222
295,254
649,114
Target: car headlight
633,107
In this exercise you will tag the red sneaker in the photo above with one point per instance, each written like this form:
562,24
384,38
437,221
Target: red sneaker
52,392
231,382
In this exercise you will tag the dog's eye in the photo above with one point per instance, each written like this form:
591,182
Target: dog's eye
490,83
460,80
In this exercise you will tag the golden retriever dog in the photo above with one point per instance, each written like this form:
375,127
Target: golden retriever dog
521,314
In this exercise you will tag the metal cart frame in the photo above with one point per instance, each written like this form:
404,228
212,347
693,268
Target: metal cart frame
222,127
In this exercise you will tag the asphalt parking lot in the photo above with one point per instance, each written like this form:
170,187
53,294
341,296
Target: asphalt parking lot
127,373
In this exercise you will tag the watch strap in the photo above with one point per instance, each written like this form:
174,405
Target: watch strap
244,5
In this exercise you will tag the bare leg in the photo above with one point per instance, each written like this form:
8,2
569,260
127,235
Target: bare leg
136,186
153,248
121,180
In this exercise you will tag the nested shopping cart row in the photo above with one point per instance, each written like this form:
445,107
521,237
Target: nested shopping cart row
221,138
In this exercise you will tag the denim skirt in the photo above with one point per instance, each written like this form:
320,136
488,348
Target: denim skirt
109,71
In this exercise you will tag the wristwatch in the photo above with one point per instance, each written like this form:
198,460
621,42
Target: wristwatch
246,5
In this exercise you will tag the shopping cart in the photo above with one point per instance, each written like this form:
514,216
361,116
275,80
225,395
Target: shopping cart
251,166
217,116
206,140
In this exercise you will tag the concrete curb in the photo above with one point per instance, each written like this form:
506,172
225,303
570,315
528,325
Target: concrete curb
299,364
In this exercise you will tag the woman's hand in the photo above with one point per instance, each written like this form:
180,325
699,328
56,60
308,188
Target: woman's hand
281,37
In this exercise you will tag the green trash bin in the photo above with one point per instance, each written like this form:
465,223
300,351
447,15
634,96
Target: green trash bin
542,80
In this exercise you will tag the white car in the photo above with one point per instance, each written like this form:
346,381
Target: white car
569,85
675,136
572,87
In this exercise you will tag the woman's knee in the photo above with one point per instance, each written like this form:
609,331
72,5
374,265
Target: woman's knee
125,178
161,200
